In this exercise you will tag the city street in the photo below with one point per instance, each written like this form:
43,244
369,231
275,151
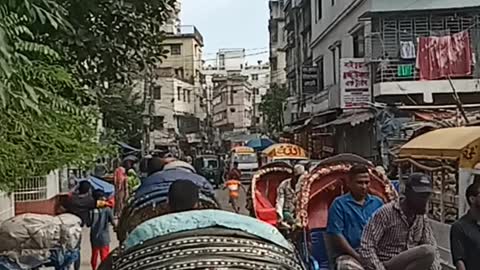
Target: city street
222,196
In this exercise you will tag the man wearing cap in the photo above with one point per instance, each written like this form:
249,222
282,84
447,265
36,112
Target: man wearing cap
399,235
286,194
347,217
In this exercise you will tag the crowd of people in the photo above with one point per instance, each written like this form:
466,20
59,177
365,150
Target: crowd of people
362,233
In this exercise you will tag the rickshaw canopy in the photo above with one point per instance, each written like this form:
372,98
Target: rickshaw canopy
285,151
458,143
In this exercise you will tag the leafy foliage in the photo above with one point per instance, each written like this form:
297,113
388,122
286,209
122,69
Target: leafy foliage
123,113
45,124
272,108
114,44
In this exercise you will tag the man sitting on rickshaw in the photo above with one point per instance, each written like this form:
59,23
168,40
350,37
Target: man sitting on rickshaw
286,195
347,217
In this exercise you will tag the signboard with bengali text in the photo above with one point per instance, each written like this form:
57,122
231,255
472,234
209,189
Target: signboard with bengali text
354,83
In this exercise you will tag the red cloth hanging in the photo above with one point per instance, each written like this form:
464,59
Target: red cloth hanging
441,57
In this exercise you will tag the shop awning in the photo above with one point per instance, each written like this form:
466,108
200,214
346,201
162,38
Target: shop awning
352,119
310,121
445,142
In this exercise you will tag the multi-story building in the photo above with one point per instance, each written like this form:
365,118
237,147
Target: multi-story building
233,62
232,103
278,43
299,65
369,53
178,109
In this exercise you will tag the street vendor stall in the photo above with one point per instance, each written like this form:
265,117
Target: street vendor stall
449,156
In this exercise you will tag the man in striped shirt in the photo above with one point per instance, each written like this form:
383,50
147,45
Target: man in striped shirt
399,236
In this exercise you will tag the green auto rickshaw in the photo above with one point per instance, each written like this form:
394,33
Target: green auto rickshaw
210,167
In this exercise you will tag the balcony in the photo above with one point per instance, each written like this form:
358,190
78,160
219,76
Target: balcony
402,78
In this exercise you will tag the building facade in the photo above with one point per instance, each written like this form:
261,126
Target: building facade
232,103
175,101
232,62
278,43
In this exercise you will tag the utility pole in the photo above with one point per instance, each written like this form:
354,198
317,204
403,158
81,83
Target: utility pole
147,120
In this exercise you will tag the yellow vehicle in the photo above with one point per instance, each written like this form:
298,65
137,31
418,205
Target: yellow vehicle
450,156
289,153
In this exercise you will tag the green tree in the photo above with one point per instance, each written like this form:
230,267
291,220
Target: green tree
272,108
114,44
46,118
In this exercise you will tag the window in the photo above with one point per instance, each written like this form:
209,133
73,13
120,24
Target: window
176,49
231,95
188,96
179,72
157,92
254,77
359,43
319,10
179,93
184,95
157,122
333,2
334,61
321,81
274,63
221,61
232,110
274,30
339,50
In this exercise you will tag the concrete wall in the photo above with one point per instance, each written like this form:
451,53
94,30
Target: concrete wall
335,27
171,103
7,206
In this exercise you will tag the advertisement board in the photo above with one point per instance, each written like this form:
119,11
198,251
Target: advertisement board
354,83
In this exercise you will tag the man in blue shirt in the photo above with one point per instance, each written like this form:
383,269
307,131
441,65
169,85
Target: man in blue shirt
347,216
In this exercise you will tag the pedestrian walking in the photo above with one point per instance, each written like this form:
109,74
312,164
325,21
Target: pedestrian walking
465,233
399,235
101,219
121,185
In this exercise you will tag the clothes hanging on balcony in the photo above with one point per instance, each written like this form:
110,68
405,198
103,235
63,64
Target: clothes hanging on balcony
446,56
407,50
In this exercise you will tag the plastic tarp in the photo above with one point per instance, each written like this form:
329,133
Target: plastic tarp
99,184
201,219
28,240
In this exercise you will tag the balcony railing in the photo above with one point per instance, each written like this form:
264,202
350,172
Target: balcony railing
396,71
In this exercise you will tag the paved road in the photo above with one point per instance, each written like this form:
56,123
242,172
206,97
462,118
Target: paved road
222,196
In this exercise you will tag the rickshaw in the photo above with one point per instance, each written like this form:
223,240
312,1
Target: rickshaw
206,239
210,167
285,152
263,191
317,192
150,199
451,157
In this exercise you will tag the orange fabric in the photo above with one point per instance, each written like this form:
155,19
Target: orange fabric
233,187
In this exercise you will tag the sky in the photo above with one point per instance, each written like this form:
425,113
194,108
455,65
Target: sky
230,24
